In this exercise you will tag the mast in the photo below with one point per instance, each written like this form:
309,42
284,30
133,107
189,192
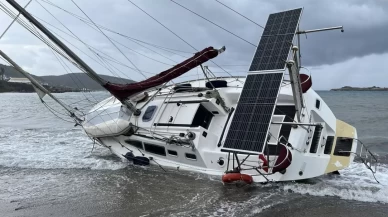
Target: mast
122,92
85,66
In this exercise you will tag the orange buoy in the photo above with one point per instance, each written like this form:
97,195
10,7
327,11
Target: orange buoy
234,177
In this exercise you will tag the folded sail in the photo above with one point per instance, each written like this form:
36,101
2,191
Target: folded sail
123,91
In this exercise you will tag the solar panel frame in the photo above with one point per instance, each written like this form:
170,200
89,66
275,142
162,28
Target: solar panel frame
272,52
248,130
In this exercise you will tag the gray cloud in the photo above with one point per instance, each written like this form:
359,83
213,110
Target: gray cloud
365,22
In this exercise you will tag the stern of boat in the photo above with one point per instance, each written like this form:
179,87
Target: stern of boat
344,147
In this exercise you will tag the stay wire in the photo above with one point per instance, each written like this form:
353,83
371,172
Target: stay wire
46,42
97,50
118,33
30,29
73,35
71,77
133,64
162,25
240,14
214,23
133,50
178,36
35,32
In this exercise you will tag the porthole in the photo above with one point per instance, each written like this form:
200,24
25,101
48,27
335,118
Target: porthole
137,144
155,149
191,156
173,153
149,113
317,104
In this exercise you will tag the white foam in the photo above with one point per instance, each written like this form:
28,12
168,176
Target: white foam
256,204
53,148
354,183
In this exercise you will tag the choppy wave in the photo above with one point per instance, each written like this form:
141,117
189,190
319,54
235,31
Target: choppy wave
53,148
354,183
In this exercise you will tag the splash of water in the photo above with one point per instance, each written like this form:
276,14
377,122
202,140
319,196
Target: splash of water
354,183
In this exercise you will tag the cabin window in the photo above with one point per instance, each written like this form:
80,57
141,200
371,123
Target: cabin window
137,144
316,139
172,152
202,118
329,144
149,113
343,146
155,149
317,104
191,156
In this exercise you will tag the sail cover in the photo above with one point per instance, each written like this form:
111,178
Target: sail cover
123,91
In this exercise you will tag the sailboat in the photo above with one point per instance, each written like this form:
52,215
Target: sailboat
267,126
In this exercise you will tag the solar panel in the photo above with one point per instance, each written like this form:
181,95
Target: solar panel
249,127
276,41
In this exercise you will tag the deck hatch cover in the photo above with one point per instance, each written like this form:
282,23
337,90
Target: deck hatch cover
249,127
276,41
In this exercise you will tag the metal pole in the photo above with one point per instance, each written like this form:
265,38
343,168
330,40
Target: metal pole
30,18
320,30
298,124
33,81
14,20
299,54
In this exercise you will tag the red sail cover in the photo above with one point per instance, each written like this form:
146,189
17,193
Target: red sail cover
122,91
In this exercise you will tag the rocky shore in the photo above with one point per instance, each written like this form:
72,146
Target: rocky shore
349,88
27,88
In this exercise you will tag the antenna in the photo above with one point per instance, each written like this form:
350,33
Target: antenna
320,30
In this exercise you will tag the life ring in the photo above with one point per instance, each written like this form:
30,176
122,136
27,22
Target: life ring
234,177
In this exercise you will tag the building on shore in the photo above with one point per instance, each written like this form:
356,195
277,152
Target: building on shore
19,80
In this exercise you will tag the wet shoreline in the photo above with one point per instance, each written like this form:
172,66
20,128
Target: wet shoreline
134,191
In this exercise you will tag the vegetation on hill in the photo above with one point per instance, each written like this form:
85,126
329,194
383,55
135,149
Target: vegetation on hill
15,87
349,88
63,82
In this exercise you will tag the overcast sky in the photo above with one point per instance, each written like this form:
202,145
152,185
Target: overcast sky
357,57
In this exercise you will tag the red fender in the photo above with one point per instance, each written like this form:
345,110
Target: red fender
233,177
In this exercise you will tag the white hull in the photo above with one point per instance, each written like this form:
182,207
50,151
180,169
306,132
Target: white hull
209,156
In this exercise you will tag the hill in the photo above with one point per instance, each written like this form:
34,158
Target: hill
349,88
80,80
73,80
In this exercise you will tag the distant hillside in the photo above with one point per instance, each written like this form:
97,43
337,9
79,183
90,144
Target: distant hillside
349,88
12,72
15,87
79,80
73,80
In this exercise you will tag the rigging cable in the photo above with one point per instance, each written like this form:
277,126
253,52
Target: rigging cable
74,35
213,23
37,34
163,25
112,40
30,29
240,14
109,39
120,34
179,37
110,58
63,66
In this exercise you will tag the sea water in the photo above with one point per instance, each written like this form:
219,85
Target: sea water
50,167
